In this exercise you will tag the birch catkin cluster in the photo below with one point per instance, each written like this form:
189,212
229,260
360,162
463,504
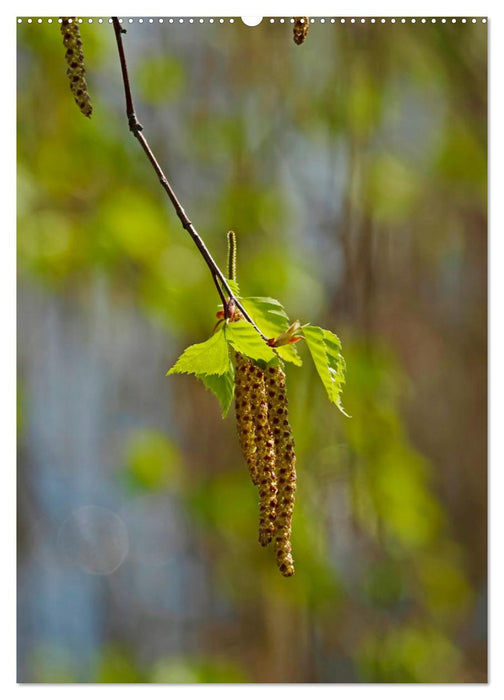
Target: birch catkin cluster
267,443
285,466
75,60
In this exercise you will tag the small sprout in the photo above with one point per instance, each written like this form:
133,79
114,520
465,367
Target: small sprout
288,337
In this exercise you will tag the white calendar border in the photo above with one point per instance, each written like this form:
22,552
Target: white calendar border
462,8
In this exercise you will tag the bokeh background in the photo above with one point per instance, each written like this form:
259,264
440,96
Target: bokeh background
353,169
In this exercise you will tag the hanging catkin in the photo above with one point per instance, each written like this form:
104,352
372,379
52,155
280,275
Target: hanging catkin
300,29
265,457
244,369
75,59
285,459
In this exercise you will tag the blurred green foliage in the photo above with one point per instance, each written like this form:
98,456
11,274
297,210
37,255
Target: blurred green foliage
354,172
160,79
408,655
196,671
153,462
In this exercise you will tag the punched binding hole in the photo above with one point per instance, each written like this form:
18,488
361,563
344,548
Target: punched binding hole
251,21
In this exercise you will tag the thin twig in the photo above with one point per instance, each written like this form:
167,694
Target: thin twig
136,129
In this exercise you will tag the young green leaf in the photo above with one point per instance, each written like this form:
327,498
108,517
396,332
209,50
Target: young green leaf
222,385
210,357
336,359
268,313
272,320
233,286
246,340
290,354
325,348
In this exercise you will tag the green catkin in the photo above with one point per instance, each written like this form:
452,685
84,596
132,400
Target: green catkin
285,459
244,369
75,59
231,238
265,457
300,29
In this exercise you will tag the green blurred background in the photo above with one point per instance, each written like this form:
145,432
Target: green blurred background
353,170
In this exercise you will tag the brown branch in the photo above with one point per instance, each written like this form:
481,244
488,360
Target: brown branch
136,129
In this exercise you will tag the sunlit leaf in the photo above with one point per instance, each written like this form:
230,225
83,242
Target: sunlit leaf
210,357
234,287
289,354
246,340
324,348
271,319
222,385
